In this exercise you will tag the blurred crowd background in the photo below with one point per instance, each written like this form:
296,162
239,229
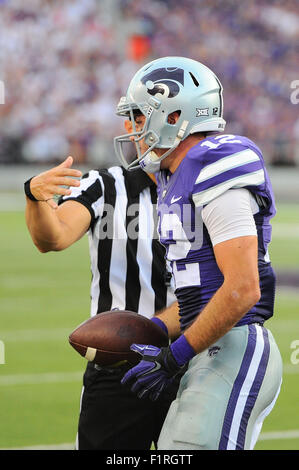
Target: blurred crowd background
66,63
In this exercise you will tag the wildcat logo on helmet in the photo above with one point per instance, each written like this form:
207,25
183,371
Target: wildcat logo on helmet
164,81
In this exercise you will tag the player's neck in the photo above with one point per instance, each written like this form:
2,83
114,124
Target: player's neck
173,161
152,177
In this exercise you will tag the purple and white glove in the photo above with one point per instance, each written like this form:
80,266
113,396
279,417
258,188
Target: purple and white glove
158,367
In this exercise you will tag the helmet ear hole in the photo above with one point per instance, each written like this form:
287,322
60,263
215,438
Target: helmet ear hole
173,117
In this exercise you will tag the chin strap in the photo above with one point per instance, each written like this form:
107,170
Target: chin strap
151,162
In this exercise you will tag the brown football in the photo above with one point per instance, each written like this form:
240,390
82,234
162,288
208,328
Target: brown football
105,339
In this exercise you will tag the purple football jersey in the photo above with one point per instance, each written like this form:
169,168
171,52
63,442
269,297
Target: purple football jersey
210,168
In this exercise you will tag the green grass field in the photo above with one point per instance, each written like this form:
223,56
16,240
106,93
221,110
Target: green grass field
43,297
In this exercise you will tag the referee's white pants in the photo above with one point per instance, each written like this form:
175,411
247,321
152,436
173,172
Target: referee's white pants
226,393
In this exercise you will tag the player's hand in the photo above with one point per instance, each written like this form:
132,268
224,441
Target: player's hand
49,183
153,373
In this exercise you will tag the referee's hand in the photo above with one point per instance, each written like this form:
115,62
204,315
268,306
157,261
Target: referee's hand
49,183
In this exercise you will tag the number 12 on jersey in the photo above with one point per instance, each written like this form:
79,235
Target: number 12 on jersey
179,245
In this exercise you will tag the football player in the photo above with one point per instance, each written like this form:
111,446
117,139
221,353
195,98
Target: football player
215,204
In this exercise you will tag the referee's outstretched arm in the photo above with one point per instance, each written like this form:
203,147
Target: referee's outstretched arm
53,227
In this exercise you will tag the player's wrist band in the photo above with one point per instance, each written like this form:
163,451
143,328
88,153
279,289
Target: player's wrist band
28,190
160,323
182,350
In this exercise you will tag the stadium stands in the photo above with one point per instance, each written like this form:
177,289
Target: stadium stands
65,64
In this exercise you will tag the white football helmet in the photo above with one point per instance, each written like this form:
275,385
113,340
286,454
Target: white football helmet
158,89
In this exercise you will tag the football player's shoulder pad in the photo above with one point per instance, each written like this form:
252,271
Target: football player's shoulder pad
225,162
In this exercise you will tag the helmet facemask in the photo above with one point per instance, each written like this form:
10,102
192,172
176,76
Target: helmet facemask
127,146
148,160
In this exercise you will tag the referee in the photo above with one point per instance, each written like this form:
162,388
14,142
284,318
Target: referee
116,208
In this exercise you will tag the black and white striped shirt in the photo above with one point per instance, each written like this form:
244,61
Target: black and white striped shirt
127,260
